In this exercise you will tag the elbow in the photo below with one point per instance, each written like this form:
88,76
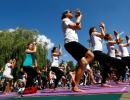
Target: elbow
103,36
127,44
78,27
34,50
60,54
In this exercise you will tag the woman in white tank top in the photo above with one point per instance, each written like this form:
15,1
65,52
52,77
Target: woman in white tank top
124,51
55,65
96,40
110,45
105,60
123,46
117,64
55,61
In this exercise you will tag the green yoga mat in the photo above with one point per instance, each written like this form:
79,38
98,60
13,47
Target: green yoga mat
77,97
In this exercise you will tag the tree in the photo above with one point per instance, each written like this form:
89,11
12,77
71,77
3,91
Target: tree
70,66
13,45
62,62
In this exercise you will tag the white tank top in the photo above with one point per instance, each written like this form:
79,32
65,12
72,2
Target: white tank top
7,70
124,51
111,49
55,61
69,33
96,42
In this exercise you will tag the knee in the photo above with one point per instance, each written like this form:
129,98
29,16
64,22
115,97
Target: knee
89,55
92,55
91,71
83,62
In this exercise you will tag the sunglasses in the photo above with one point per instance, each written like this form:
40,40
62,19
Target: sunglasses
68,11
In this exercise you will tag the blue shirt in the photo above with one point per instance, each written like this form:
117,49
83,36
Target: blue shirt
28,61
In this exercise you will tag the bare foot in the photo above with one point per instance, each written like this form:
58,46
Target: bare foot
117,82
76,89
54,89
94,82
5,93
106,85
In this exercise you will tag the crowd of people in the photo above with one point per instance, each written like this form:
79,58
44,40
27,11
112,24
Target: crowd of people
94,66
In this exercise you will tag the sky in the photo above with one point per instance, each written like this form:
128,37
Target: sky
45,16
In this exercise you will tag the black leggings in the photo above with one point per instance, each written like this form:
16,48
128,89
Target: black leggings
106,62
31,74
102,58
120,67
127,61
58,74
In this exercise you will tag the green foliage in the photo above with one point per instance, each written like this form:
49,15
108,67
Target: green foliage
70,66
62,62
13,45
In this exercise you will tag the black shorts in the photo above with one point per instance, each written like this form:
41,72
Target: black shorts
106,59
57,71
76,50
101,57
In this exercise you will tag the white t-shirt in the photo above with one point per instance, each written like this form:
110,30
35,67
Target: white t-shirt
123,50
7,71
118,54
55,61
111,49
69,33
96,42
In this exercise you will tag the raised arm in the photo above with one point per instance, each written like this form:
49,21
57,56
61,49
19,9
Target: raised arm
125,45
59,53
99,34
119,39
13,63
127,39
102,28
127,42
77,24
117,36
32,51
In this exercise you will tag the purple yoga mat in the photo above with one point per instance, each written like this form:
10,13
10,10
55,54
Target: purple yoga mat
89,89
